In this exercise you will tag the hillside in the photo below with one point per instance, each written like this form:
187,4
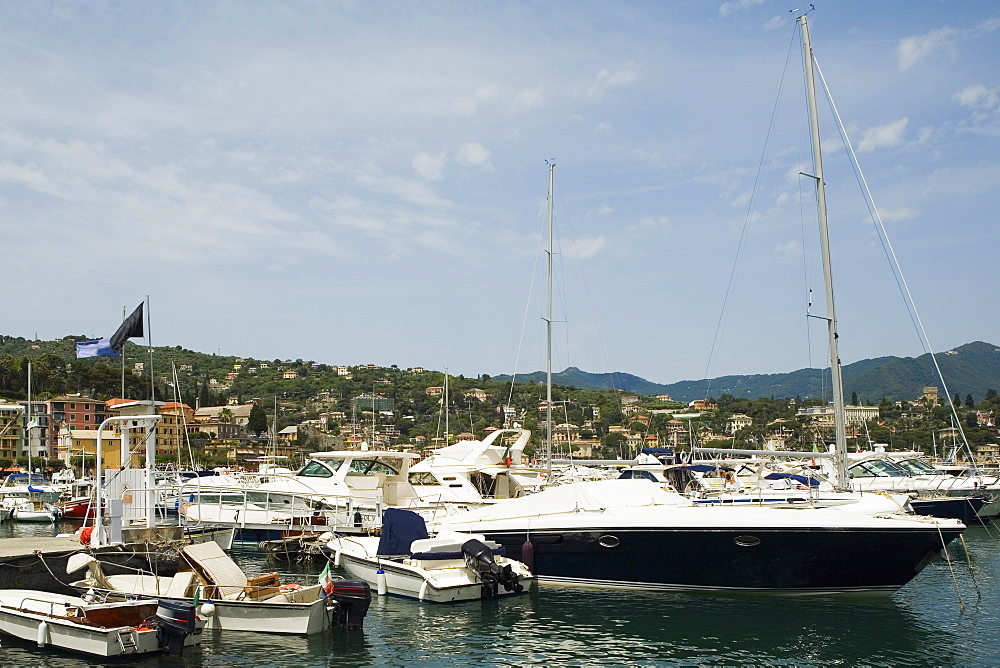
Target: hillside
972,369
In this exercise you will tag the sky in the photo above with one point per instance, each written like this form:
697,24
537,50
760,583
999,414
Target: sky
366,182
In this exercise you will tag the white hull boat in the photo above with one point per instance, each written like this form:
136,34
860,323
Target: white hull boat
232,601
449,567
30,511
99,629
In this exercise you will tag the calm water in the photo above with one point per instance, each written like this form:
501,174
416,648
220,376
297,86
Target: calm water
922,624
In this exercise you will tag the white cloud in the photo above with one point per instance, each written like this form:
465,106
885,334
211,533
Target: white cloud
646,155
405,189
730,8
883,136
468,105
473,154
775,23
792,247
654,221
585,248
605,210
603,129
429,166
902,213
989,25
976,96
915,48
529,98
606,79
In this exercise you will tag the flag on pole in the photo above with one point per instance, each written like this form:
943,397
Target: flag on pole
326,580
98,348
130,328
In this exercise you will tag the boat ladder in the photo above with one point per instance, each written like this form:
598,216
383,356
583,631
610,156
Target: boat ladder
126,638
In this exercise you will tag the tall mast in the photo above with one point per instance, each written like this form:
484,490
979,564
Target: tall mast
27,425
548,335
837,381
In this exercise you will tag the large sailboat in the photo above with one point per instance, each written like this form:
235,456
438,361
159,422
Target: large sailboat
637,534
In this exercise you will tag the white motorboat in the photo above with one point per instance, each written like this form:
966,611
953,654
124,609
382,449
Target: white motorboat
634,534
230,600
100,629
448,567
34,511
474,471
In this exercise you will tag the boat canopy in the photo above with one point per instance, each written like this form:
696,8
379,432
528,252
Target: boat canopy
801,479
399,529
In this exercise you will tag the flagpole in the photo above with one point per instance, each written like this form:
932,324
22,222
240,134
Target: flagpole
149,345
123,357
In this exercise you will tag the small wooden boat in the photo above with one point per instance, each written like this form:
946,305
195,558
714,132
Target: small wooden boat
230,600
100,629
451,566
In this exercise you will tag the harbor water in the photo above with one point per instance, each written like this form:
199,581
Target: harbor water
948,615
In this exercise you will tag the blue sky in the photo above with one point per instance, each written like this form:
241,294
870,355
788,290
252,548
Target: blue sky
355,182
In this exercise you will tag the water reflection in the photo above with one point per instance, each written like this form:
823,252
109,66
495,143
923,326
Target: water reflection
920,625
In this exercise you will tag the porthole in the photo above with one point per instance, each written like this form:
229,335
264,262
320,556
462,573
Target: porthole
608,541
747,541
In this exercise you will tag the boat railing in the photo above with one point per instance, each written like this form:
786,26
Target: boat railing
256,507
44,603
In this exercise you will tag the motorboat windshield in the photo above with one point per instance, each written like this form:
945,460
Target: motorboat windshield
918,467
877,468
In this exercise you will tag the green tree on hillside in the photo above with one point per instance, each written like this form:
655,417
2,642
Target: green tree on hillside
257,422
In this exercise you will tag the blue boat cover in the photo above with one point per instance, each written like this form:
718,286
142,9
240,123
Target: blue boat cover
399,529
657,451
801,479
701,468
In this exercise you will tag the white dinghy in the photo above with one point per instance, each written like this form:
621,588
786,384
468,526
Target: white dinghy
100,629
451,566
230,600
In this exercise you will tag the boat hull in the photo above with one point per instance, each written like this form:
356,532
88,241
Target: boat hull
21,616
799,561
964,508
311,615
442,585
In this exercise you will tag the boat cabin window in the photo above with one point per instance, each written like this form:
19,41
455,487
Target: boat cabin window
315,469
423,478
370,467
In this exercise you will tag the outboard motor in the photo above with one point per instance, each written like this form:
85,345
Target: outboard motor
353,598
175,621
479,559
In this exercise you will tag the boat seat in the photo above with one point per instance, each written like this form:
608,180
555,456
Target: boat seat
217,568
446,541
180,584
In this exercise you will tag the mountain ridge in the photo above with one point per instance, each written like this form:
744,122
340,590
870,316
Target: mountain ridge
972,368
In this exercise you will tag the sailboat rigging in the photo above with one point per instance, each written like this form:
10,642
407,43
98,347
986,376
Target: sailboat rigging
637,534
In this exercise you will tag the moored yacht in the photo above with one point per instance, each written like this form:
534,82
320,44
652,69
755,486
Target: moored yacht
634,534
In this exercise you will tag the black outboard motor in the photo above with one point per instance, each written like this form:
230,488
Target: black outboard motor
353,598
479,559
175,621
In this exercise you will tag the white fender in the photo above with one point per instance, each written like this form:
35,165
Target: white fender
380,582
43,634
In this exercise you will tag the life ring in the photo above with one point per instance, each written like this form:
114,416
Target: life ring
290,587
